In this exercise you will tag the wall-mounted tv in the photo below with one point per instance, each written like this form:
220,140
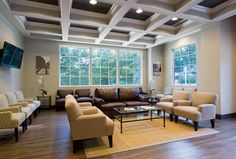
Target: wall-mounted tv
11,56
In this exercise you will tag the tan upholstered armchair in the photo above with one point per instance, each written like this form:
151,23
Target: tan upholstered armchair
11,117
169,103
202,107
88,122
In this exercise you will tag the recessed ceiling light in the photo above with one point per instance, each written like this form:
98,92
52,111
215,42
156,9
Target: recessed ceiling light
139,11
93,2
174,18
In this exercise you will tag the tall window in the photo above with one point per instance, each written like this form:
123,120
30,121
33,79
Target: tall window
103,67
99,67
74,66
130,67
185,65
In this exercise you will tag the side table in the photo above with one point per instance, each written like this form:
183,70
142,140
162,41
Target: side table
45,101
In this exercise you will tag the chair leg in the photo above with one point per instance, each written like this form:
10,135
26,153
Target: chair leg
16,134
171,117
195,125
176,119
213,123
23,126
110,140
75,145
30,119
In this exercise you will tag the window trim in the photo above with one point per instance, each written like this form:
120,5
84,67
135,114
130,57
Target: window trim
173,65
117,50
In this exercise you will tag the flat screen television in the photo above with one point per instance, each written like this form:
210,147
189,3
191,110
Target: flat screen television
11,56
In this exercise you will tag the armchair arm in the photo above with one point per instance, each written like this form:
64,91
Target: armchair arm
99,101
208,111
182,103
85,104
89,125
23,104
13,109
17,104
166,100
5,118
143,97
27,100
90,111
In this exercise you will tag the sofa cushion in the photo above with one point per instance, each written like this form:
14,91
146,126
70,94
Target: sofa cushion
110,106
107,94
188,112
128,94
135,103
11,97
19,95
199,98
85,99
64,92
82,92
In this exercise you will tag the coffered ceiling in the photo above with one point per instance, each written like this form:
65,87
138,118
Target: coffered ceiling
115,22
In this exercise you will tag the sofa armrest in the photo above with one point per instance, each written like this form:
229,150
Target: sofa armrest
99,101
90,111
208,111
26,100
57,97
13,109
85,104
143,97
182,103
90,95
166,99
17,104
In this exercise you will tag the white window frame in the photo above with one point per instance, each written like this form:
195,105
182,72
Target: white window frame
173,66
91,49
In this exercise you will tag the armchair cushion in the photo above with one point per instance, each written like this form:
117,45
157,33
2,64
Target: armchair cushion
199,98
167,105
181,95
84,99
72,108
182,103
91,110
11,97
166,100
19,95
3,101
85,104
188,112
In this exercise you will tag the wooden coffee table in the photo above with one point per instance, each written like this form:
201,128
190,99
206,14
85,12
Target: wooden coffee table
125,111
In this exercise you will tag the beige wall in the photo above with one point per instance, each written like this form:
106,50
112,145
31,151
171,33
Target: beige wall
155,54
216,61
10,78
228,65
35,47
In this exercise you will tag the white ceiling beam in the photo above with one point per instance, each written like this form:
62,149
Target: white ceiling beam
65,6
115,18
153,25
225,13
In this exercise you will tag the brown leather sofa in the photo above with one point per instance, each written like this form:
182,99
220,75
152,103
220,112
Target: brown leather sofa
108,98
83,95
60,98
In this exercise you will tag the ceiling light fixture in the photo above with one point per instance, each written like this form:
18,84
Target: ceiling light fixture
139,11
93,2
174,18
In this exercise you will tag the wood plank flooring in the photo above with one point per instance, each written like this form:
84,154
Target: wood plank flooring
49,137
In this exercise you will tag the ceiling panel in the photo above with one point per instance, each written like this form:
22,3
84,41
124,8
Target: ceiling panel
141,16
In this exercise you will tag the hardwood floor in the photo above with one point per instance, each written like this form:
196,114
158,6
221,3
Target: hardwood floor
49,137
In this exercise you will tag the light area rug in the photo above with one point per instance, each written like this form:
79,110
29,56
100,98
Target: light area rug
143,133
